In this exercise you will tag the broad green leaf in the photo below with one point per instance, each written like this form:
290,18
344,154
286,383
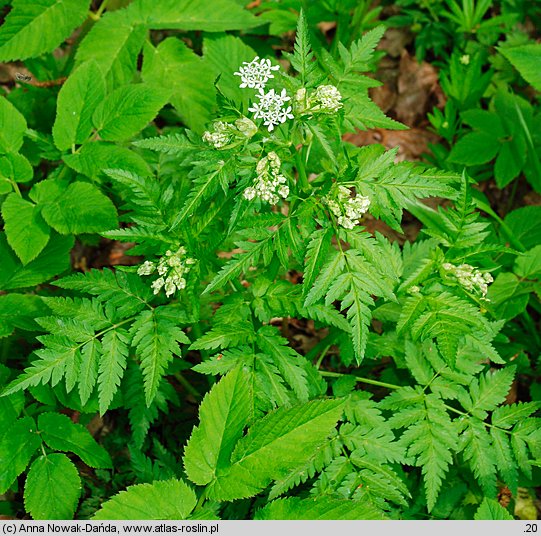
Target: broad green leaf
508,297
127,110
81,208
16,449
52,488
34,27
114,43
53,260
77,100
173,65
13,127
95,157
524,224
528,265
273,446
168,499
223,414
493,510
319,508
475,148
26,231
16,167
61,433
19,311
193,15
527,60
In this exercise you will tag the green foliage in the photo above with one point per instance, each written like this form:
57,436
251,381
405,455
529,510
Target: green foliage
227,310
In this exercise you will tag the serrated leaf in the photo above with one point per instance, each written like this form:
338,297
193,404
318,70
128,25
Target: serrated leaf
34,27
112,365
273,446
61,433
81,208
26,231
127,110
156,340
53,260
318,508
114,43
88,371
80,95
493,510
526,59
223,414
52,488
13,127
316,253
169,499
16,449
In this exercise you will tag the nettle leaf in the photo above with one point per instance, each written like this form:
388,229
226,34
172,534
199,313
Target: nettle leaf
156,340
52,488
223,414
54,259
81,208
61,433
26,231
16,449
127,110
173,65
35,27
114,43
318,508
19,311
195,15
526,59
13,127
169,499
77,100
273,446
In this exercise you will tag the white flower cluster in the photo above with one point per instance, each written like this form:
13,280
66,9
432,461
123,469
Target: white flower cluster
270,184
256,73
469,277
224,133
326,99
272,108
348,210
171,268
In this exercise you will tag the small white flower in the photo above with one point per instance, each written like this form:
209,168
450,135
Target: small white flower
256,73
158,284
249,193
465,59
272,108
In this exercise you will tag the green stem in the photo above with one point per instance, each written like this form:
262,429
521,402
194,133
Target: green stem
361,380
322,356
301,169
101,9
16,187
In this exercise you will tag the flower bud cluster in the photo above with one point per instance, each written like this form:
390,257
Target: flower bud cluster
171,269
469,277
326,99
348,210
224,133
270,184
